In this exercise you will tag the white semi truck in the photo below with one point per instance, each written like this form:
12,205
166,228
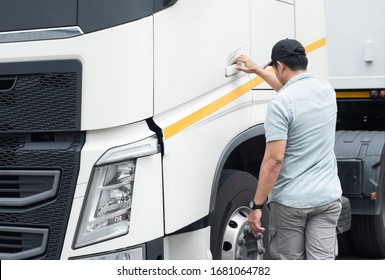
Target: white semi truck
125,132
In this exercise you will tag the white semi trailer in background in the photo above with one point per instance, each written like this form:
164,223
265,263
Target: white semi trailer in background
356,55
125,132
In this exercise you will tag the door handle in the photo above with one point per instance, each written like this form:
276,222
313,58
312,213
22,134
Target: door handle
231,69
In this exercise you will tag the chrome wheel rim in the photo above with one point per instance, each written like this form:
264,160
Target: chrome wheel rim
238,242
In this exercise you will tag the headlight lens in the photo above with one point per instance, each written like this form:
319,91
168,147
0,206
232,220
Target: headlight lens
107,210
116,190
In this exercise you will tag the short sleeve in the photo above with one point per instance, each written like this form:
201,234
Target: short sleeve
277,121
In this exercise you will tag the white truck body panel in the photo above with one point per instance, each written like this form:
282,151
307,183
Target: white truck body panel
271,21
195,40
117,71
310,29
355,30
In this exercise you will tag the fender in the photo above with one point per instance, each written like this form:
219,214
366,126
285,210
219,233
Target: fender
252,132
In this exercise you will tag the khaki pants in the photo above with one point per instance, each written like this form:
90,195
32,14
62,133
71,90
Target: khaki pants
297,234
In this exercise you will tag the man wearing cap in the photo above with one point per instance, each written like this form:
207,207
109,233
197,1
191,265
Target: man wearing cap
298,173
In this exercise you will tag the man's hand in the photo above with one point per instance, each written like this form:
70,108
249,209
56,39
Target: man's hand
249,65
255,221
251,68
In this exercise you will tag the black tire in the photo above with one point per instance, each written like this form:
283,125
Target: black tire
345,241
236,190
345,219
368,232
345,245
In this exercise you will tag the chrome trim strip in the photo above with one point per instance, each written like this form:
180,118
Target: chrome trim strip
40,34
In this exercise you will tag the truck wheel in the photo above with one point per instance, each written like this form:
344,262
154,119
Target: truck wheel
345,219
368,232
346,245
230,236
345,241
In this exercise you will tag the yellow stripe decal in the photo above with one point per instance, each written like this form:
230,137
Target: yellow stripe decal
205,111
315,45
353,94
226,99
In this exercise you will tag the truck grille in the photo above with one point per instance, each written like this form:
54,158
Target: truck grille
47,205
40,144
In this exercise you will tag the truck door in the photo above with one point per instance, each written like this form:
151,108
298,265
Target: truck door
194,42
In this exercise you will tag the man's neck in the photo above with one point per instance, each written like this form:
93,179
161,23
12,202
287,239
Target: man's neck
292,74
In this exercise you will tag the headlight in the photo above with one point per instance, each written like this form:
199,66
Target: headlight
107,208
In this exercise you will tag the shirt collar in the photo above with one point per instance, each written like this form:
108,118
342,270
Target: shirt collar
295,79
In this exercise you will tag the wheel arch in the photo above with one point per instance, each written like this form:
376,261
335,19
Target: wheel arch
244,153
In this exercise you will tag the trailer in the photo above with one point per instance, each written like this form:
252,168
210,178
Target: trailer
356,57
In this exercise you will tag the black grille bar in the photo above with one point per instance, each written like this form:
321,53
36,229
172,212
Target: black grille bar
27,187
22,242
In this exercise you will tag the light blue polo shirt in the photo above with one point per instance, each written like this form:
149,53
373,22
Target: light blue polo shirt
304,113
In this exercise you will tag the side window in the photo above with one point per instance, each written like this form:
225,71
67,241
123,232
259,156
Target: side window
96,15
163,4
37,14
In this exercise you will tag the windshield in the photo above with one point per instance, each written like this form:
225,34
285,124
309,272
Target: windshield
89,15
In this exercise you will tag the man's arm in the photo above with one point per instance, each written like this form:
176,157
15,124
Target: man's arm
251,67
270,168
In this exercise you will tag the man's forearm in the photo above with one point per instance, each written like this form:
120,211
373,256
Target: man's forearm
268,175
270,168
250,67
269,77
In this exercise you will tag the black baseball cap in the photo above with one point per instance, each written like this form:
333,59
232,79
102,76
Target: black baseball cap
285,48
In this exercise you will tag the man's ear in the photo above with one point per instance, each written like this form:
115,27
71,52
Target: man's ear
279,66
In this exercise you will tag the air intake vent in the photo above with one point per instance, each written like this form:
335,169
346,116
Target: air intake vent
23,187
22,242
40,96
31,165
